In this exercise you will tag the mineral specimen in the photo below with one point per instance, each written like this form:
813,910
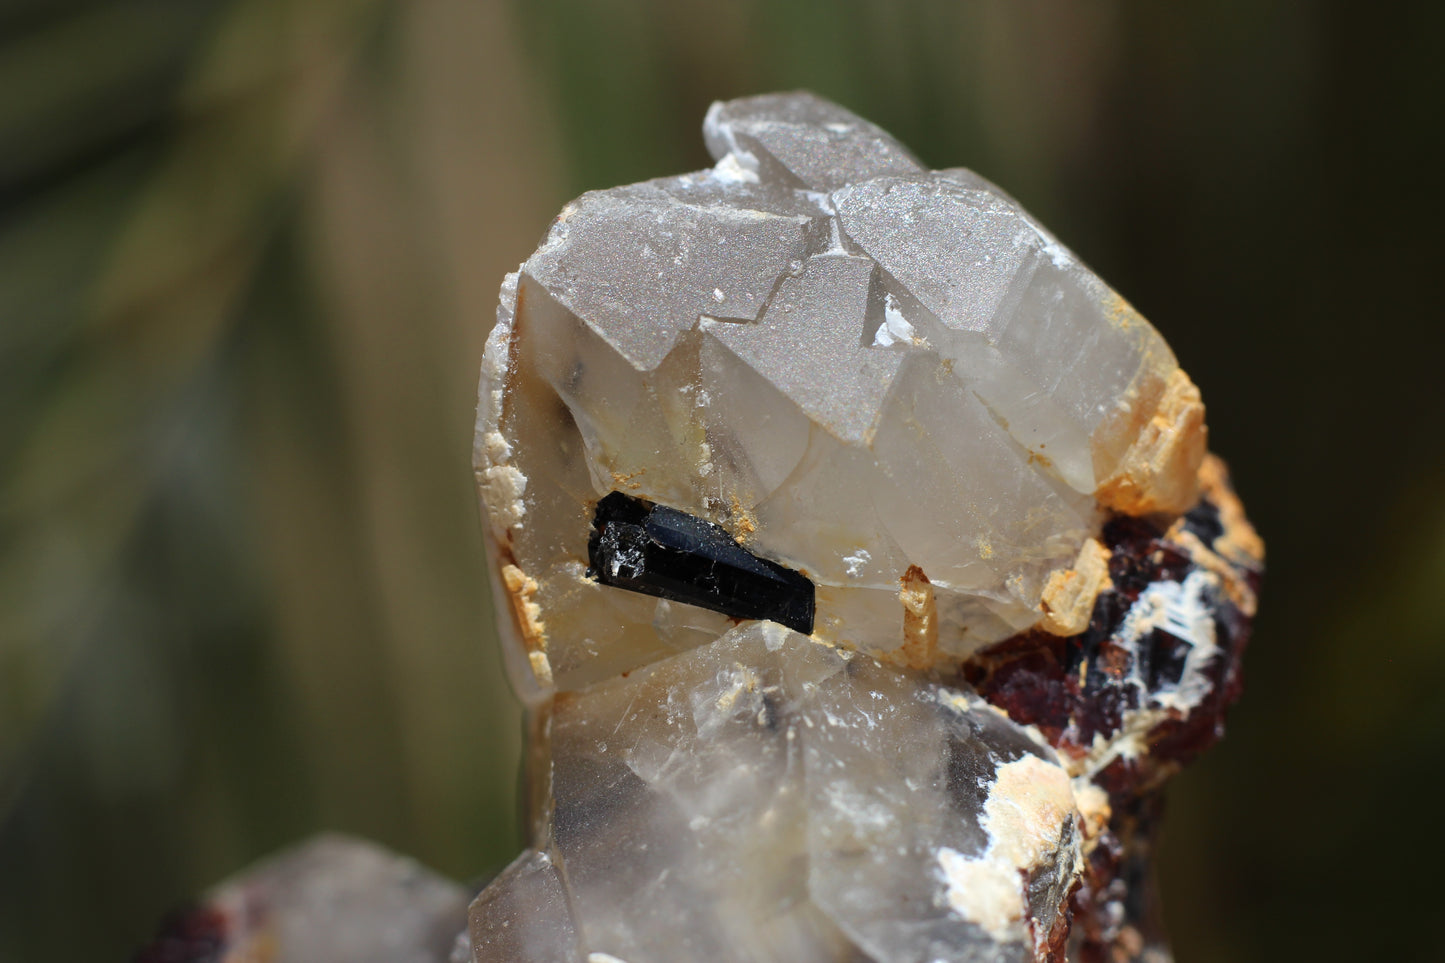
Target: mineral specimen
330,900
865,570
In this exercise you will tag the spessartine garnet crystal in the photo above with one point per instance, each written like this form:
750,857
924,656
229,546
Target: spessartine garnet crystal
865,573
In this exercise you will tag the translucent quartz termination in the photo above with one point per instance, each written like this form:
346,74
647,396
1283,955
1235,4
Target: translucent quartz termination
854,365
913,409
329,900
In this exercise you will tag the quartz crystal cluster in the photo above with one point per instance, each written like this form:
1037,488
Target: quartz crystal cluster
330,900
863,568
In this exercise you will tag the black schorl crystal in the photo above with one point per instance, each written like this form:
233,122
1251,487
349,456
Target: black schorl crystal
661,551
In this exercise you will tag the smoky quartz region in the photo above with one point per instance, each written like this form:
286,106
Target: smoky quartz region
655,550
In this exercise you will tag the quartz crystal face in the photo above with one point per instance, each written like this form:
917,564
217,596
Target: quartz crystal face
329,900
863,566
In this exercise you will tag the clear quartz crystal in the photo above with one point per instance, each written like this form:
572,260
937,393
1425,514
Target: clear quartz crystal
895,382
331,899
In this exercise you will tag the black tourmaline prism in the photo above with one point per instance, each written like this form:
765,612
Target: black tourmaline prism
661,551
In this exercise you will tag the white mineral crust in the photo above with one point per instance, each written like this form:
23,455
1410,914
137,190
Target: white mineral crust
891,380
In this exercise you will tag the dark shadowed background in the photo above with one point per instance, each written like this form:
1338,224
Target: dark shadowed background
249,250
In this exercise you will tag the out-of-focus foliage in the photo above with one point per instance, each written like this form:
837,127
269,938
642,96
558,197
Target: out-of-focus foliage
248,252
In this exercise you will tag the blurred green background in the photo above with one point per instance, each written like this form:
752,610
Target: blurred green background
249,250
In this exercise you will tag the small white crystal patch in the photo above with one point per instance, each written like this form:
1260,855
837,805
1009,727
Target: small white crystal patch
1028,806
895,328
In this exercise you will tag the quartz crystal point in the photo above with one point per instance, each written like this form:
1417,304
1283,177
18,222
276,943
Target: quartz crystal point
329,900
863,568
